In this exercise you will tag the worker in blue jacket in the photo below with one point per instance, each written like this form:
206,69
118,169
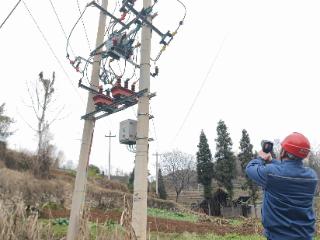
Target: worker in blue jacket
289,189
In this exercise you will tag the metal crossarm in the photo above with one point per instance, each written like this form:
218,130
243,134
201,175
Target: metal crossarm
145,20
107,13
88,88
113,108
116,110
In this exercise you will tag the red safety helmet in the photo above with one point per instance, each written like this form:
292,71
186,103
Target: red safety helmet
296,144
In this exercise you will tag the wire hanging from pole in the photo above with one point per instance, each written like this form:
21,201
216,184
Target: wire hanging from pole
60,23
10,13
200,89
181,22
84,27
68,39
51,49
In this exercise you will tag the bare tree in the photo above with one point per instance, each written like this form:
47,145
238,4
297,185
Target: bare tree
276,148
42,102
313,160
178,168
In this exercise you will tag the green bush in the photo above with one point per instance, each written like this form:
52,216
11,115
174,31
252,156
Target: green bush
93,171
52,206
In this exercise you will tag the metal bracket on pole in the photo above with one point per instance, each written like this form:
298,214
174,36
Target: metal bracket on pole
146,114
151,95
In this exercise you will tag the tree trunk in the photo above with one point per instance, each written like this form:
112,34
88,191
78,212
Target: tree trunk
177,196
232,210
255,209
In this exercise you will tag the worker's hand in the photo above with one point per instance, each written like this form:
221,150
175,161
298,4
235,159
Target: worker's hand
266,156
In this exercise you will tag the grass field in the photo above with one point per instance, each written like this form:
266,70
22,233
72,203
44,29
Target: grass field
115,231
178,216
189,236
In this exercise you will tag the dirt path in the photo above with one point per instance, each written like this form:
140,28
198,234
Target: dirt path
249,227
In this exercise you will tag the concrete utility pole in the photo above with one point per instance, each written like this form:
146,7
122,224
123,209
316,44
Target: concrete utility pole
139,209
78,198
157,172
109,159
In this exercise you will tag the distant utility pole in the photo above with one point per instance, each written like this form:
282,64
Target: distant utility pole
139,208
157,172
78,198
109,159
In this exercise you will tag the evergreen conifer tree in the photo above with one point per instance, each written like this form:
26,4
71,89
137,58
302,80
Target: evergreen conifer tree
204,165
225,165
246,147
161,187
245,155
5,123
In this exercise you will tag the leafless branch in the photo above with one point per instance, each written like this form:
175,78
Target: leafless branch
29,125
32,101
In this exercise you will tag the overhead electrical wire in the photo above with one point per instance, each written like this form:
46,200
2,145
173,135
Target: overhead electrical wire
184,17
110,21
84,27
200,89
60,24
51,49
10,13
68,39
181,22
112,27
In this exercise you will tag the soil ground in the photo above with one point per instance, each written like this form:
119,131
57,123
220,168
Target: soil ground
219,227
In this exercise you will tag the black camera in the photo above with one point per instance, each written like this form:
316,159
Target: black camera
267,146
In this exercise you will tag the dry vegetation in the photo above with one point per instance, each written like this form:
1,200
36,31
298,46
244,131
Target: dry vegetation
33,191
20,189
16,224
22,161
18,181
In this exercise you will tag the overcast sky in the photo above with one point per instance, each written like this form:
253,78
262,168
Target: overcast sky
255,62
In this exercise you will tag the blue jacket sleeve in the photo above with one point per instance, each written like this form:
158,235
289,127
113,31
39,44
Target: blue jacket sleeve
257,171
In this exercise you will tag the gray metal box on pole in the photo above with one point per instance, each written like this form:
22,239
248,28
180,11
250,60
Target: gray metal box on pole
128,132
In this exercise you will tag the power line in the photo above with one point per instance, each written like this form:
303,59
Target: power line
84,27
10,13
51,49
74,26
200,89
62,28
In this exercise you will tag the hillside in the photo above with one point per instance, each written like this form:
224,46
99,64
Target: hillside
101,193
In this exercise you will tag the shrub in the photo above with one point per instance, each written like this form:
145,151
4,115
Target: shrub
21,161
110,184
